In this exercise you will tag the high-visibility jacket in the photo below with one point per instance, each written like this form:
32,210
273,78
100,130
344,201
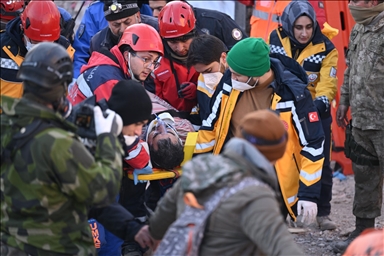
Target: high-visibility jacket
319,59
12,53
299,170
266,16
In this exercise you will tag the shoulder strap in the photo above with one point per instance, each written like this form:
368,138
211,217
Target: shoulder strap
22,137
184,236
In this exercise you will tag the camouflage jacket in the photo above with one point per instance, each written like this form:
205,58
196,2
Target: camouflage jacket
363,88
51,182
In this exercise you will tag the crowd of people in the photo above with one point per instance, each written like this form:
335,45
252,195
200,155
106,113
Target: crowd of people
155,72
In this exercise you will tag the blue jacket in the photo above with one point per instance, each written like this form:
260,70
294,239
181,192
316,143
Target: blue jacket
92,22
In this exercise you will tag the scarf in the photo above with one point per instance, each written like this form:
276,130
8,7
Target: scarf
365,16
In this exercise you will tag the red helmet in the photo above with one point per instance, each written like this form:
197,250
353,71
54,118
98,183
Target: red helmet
11,9
176,19
141,38
41,21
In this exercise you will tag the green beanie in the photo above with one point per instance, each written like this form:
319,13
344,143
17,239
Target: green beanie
249,57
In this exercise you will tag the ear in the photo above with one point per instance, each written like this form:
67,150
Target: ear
138,16
223,58
125,54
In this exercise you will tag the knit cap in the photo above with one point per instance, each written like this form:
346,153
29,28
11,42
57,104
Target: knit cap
265,130
119,9
249,57
130,100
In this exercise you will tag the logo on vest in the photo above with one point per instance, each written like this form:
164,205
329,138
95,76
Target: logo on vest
237,34
313,117
312,77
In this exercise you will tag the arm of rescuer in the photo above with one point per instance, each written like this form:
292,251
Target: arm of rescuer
117,220
311,137
326,88
93,181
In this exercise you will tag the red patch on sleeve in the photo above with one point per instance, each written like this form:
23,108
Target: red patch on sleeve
313,117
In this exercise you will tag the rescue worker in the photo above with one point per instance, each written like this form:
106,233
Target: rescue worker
48,175
257,81
126,14
267,14
156,6
300,38
9,11
135,57
92,22
363,92
207,54
40,21
173,81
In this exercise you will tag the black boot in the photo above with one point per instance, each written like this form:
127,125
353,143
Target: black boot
361,225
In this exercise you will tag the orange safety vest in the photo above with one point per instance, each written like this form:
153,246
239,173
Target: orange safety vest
266,16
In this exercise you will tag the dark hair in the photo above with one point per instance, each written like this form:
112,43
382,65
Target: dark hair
205,49
168,155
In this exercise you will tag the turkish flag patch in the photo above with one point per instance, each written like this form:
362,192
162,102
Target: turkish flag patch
313,117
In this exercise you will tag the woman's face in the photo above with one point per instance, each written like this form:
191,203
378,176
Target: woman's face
303,29
142,63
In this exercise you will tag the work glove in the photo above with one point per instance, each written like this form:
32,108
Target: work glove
309,210
136,172
112,123
187,91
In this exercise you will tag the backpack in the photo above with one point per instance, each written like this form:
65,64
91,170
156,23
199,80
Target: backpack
184,236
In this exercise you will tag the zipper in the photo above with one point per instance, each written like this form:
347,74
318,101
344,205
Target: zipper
297,166
302,120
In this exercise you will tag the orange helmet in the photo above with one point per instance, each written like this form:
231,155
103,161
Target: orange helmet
141,38
176,19
11,9
41,21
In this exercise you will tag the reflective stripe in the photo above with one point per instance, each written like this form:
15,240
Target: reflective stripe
313,151
311,177
265,15
208,122
295,117
134,153
291,199
9,64
204,146
227,87
83,86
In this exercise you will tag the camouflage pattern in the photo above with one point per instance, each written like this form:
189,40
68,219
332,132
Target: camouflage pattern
52,181
363,88
369,179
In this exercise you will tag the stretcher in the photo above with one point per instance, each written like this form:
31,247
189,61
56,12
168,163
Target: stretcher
159,174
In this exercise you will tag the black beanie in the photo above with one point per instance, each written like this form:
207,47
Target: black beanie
130,100
119,9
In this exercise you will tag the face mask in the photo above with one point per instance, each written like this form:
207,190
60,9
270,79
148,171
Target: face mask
364,15
28,44
240,86
211,80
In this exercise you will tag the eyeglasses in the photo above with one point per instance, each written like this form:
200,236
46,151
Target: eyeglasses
147,63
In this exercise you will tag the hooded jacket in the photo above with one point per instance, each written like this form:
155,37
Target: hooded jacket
303,158
250,218
13,52
318,57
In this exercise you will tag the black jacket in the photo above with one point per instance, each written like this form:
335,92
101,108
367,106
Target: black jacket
105,39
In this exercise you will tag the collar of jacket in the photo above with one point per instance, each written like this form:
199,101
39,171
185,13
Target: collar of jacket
24,109
13,30
289,73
